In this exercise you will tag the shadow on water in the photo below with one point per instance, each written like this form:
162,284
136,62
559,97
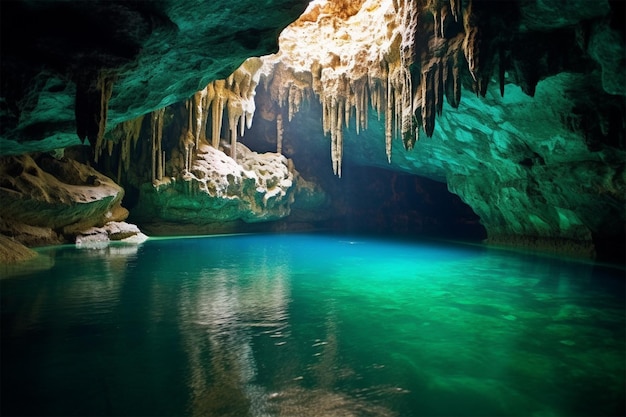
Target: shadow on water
311,325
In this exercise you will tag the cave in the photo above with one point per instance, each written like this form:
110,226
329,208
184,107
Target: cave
324,208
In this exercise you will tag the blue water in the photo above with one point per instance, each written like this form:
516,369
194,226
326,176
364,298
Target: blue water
311,325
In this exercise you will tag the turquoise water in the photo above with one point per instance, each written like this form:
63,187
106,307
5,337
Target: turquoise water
311,325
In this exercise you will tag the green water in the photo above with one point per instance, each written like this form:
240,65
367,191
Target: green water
311,325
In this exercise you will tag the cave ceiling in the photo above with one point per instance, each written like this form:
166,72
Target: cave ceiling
72,69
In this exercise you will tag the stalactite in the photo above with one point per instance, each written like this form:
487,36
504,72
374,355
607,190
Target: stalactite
333,136
200,108
93,92
428,100
236,95
456,78
130,131
163,173
104,85
156,140
160,162
234,114
279,133
455,7
339,137
388,120
379,76
186,159
153,148
439,87
217,112
471,41
119,172
109,145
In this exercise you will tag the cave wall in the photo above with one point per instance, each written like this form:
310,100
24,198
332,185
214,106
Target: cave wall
535,146
72,68
531,131
535,178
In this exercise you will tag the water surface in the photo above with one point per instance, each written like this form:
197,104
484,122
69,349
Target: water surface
311,325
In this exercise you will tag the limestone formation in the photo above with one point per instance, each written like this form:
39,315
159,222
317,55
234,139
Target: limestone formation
46,200
100,237
536,147
217,188
536,171
341,53
12,251
537,187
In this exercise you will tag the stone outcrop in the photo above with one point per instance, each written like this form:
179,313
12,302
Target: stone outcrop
100,237
13,252
219,189
46,200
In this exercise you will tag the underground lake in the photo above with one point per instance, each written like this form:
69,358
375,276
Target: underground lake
311,325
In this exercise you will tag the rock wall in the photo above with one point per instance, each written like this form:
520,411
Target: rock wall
46,200
537,144
533,177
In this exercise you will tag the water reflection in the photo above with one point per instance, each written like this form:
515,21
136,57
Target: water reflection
244,357
221,311
311,326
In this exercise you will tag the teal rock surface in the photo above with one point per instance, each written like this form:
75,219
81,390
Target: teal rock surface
69,67
531,174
